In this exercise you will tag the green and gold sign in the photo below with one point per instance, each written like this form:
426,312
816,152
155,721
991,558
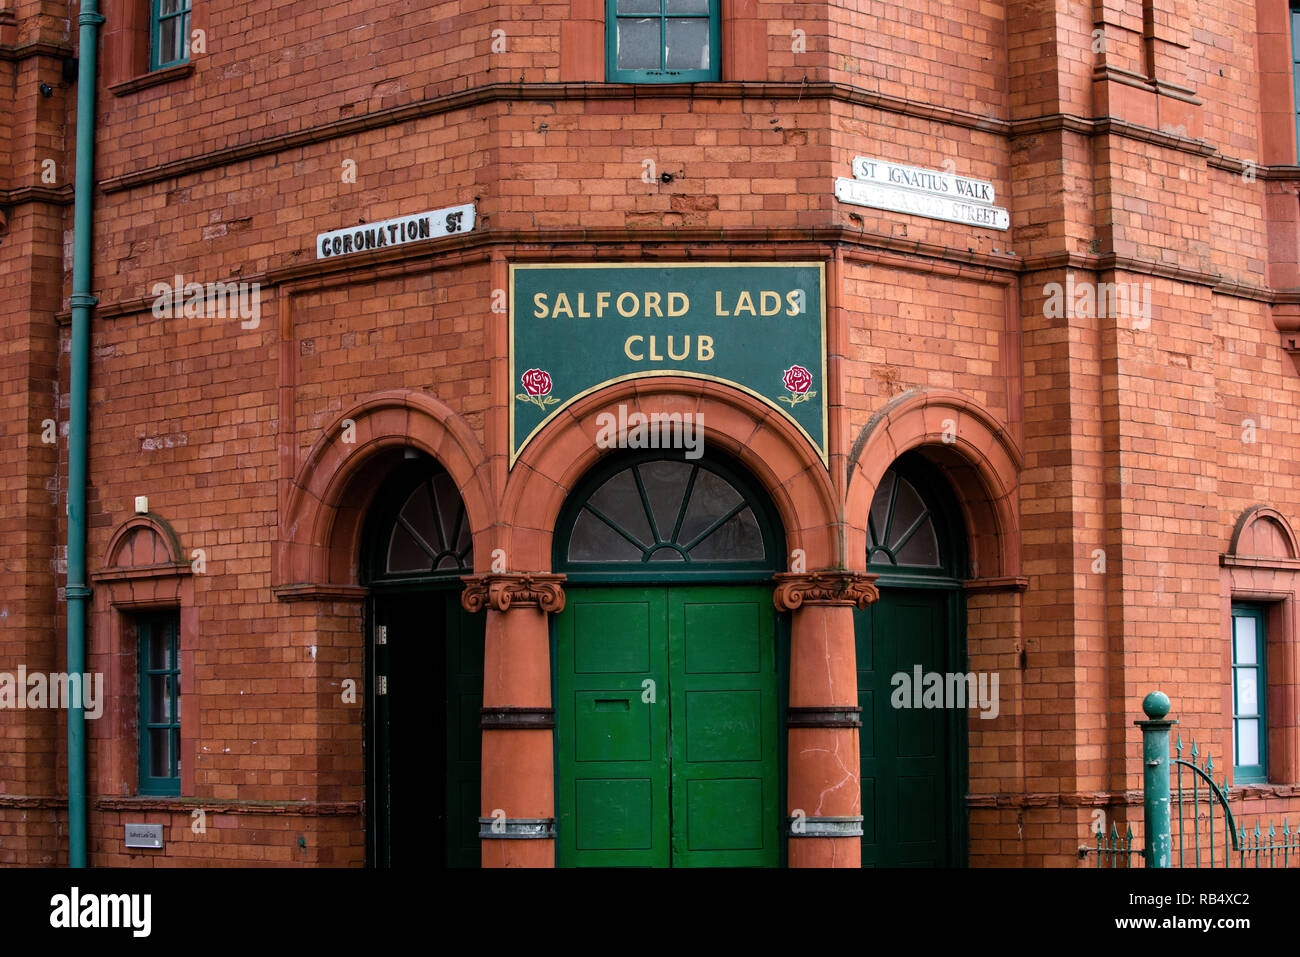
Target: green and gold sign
760,327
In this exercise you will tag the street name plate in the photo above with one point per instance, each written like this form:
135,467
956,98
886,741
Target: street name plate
144,835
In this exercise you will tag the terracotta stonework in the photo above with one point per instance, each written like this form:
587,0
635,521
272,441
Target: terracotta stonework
794,590
1118,481
502,591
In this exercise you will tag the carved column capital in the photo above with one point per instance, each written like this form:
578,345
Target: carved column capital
794,589
520,590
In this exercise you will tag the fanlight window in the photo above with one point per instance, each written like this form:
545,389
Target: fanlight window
430,534
900,527
666,511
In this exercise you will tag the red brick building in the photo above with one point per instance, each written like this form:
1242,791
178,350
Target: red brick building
362,567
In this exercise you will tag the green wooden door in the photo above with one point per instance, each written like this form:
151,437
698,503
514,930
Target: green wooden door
913,749
667,727
612,740
723,714
906,752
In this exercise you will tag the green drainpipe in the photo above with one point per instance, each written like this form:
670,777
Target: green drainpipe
78,387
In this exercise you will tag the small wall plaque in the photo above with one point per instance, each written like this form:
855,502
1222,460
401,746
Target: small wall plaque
144,835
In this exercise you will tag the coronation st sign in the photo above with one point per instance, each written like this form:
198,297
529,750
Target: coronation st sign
758,327
394,232
921,192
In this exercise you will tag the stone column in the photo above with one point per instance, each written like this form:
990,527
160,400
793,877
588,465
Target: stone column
517,814
824,791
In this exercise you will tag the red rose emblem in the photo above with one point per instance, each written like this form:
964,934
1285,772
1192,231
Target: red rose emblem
536,382
798,380
537,389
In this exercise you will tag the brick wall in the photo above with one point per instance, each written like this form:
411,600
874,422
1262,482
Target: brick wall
1132,437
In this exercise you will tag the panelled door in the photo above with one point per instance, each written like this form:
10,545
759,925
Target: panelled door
667,727
906,752
912,749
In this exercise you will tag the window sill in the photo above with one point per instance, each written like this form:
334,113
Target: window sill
1270,563
166,570
322,592
1261,789
187,805
152,78
663,80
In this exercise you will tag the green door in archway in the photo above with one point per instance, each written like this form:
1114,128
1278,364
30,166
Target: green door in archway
912,753
666,656
667,727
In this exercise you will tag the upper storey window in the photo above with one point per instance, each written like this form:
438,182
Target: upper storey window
661,41
1295,65
169,33
1249,681
158,637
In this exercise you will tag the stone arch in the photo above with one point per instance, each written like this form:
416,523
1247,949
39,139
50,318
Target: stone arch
143,541
1263,532
1262,566
977,456
320,532
761,440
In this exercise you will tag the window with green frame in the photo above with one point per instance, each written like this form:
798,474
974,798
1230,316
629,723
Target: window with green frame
661,41
1249,725
914,532
1295,67
169,33
158,648
640,516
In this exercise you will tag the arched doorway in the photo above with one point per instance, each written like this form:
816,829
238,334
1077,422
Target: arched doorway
913,739
424,665
668,667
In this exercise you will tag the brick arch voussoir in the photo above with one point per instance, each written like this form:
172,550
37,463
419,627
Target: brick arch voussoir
156,524
773,451
977,455
1263,513
333,488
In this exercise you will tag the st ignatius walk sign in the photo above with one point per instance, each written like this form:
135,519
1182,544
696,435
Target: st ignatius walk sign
760,327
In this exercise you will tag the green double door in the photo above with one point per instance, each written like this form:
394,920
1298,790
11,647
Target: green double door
666,727
910,757
424,741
